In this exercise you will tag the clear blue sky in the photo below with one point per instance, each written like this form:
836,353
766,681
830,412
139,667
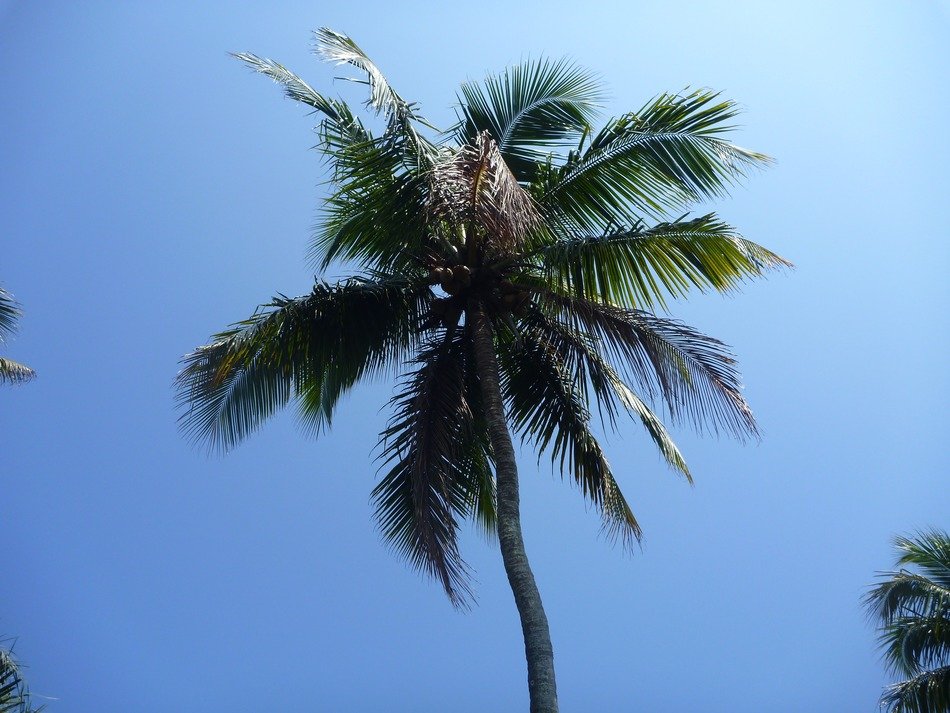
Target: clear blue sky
154,191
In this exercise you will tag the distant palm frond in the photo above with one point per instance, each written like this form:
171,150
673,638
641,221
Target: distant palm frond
913,609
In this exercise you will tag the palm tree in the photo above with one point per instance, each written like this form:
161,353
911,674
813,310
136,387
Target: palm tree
514,262
10,370
913,608
14,694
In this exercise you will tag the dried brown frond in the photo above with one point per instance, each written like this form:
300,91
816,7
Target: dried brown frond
475,185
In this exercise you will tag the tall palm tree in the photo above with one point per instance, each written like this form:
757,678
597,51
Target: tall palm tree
514,262
14,694
11,371
913,608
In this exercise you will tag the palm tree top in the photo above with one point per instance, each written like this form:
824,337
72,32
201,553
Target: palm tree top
555,235
912,606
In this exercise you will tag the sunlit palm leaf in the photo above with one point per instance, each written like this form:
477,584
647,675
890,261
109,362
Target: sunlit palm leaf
306,346
401,115
431,447
530,110
339,118
663,157
14,373
641,266
336,47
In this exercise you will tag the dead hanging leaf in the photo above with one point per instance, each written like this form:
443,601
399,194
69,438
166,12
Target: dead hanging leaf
476,185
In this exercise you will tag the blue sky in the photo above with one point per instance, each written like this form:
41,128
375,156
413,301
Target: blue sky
154,191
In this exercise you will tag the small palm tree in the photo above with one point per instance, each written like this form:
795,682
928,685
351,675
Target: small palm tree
14,694
514,262
913,608
10,370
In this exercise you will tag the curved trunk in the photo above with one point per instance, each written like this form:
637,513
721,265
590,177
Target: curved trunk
534,624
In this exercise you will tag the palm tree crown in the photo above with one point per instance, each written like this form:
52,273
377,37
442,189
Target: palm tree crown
913,609
11,371
515,263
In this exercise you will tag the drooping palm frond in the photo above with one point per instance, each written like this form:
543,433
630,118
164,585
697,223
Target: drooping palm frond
13,372
339,118
930,551
694,374
918,641
14,693
913,609
340,49
905,590
401,115
664,157
927,692
435,461
587,366
376,214
641,266
314,347
529,110
546,406
476,457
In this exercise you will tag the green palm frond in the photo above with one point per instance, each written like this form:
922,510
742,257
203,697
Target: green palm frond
401,115
9,314
546,406
640,266
434,456
476,457
694,374
927,692
913,609
664,157
917,642
14,693
340,49
906,590
530,110
587,366
930,551
305,346
376,214
337,115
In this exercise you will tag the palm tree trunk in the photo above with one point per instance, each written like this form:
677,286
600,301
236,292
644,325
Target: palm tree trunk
539,652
